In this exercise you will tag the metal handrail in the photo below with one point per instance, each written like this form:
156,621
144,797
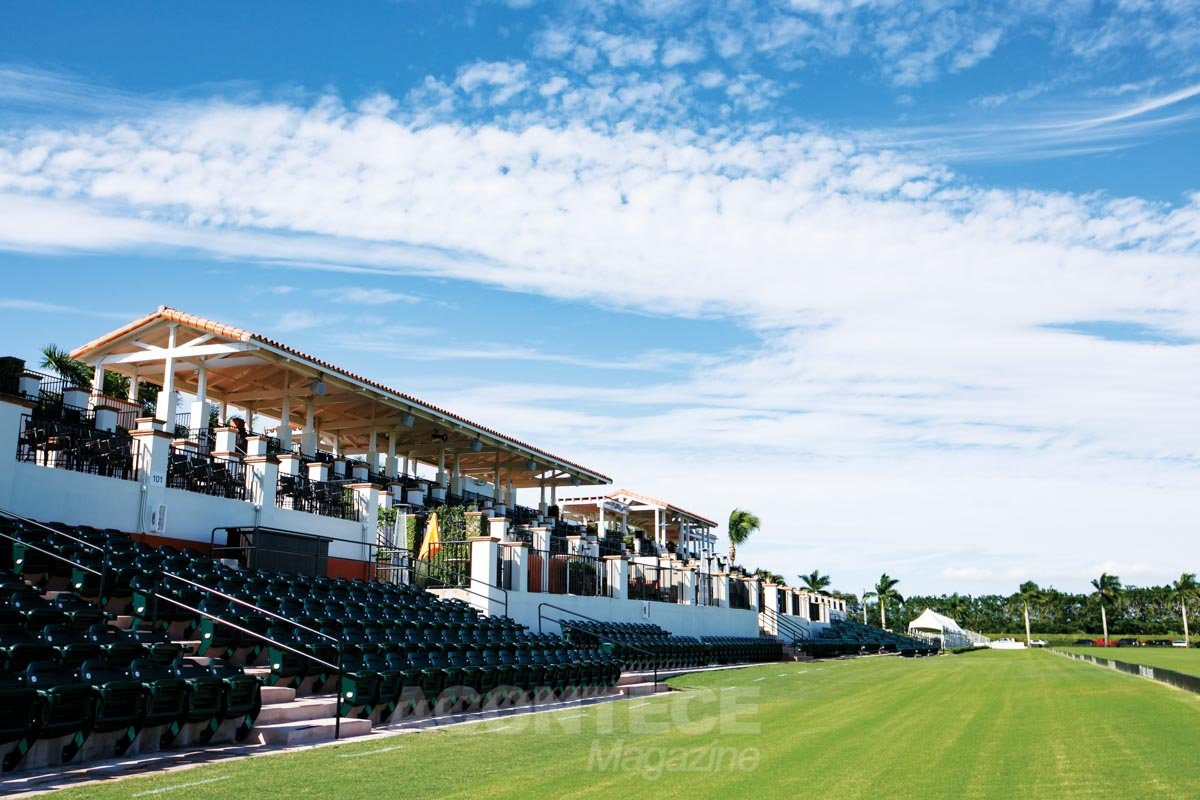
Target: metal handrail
791,626
445,585
337,719
561,622
52,530
105,564
337,716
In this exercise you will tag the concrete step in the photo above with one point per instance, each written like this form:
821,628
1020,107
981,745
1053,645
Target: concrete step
122,621
643,689
630,678
261,672
272,695
309,708
317,730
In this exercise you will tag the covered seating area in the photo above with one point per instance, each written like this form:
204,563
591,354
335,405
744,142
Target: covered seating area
224,388
655,527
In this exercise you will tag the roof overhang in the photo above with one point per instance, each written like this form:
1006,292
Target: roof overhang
254,372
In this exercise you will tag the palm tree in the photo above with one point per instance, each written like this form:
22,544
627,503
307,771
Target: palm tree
77,373
815,582
742,524
1108,589
885,590
1029,594
1183,591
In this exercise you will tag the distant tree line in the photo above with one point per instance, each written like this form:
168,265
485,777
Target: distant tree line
1129,610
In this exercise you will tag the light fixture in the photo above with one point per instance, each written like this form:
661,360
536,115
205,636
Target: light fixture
574,481
477,445
407,420
531,465
318,387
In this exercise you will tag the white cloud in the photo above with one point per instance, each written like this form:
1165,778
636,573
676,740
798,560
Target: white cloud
904,393
504,79
365,296
676,52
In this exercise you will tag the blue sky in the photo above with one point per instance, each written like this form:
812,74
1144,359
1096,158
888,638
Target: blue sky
918,282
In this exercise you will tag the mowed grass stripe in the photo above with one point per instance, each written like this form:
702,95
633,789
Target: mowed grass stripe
981,725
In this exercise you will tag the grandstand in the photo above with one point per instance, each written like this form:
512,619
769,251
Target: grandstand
167,581
845,637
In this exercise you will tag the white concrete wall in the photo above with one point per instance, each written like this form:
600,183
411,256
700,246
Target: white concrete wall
683,620
77,498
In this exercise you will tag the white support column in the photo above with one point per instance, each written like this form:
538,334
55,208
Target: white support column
441,474
517,557
541,547
285,423
498,528
618,576
456,484
165,410
484,552
390,468
134,382
199,411
366,503
308,441
264,480
542,501
98,381
373,451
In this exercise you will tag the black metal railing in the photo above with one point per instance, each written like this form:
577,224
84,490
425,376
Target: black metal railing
785,628
206,474
446,565
204,438
653,582
325,498
75,446
569,573
739,594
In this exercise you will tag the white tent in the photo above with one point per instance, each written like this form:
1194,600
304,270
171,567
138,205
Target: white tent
931,625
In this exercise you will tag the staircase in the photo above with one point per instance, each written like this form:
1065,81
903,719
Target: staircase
285,719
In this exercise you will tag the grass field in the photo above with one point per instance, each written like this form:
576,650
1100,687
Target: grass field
1179,659
982,725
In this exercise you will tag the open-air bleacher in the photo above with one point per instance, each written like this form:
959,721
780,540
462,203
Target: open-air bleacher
135,665
845,637
642,646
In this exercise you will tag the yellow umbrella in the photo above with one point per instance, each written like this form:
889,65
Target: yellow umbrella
433,542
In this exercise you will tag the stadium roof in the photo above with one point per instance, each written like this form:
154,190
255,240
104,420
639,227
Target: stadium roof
253,371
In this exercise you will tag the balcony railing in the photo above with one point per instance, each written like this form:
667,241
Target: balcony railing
75,446
654,582
207,474
325,498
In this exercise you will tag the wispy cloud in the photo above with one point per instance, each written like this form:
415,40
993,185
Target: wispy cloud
41,307
1098,126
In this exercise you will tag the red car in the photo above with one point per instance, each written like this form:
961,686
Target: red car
1103,643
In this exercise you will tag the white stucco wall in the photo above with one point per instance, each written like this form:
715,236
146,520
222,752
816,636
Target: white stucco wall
77,498
683,620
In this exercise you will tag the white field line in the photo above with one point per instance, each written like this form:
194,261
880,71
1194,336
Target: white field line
489,730
756,680
181,786
640,705
369,752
